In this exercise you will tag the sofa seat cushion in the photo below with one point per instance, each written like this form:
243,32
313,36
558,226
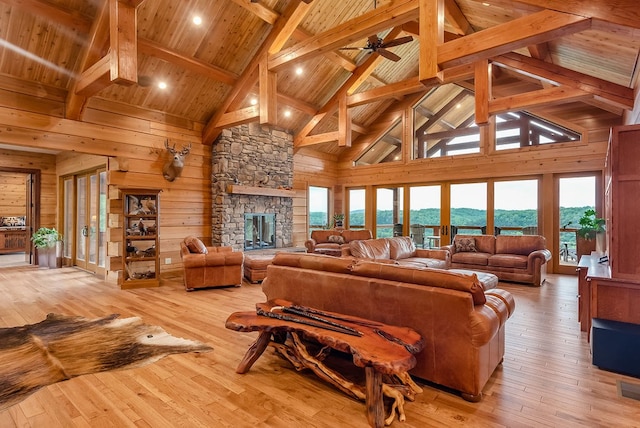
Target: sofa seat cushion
509,261
373,249
479,259
422,262
328,246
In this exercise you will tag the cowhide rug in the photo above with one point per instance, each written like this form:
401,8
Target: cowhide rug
62,347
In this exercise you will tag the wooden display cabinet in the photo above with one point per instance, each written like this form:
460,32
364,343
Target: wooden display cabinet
622,202
141,244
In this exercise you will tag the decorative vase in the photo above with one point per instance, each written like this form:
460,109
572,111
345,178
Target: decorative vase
584,247
43,258
601,242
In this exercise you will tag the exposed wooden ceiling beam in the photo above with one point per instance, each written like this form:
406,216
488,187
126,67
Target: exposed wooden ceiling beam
258,9
392,90
532,29
95,48
456,18
289,28
123,39
154,49
348,32
246,80
539,98
621,12
618,95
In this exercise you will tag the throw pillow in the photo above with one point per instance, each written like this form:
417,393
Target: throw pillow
195,245
466,245
336,239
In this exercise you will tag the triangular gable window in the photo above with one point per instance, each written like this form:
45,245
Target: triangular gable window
387,149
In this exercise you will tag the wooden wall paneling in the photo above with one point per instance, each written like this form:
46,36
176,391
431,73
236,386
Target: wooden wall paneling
300,217
12,194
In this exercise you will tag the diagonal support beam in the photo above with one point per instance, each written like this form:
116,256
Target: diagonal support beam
539,98
532,29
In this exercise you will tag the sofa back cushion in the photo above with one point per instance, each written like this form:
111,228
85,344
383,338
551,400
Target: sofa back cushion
313,261
322,236
483,243
356,234
522,245
372,249
195,245
426,276
401,247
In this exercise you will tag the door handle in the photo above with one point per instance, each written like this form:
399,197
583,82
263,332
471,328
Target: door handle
85,231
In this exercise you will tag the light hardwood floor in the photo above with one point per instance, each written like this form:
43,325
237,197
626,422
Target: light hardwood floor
546,380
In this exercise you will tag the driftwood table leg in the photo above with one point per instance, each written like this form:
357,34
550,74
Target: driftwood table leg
375,405
254,352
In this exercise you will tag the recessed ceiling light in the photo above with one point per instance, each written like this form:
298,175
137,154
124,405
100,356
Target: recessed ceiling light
299,71
253,101
162,85
486,4
287,113
197,20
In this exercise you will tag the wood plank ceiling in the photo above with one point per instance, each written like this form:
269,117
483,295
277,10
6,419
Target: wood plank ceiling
213,70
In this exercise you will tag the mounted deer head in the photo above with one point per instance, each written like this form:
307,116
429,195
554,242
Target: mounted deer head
173,167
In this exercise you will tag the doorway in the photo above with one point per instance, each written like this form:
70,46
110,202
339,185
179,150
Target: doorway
85,220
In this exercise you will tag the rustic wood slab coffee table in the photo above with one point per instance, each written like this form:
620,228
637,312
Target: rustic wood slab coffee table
384,351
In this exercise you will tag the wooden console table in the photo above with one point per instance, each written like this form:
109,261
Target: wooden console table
379,348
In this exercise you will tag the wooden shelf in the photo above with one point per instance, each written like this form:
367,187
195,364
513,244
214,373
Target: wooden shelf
259,191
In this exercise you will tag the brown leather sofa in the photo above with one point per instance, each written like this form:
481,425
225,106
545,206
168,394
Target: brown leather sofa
209,266
521,258
333,241
462,325
399,250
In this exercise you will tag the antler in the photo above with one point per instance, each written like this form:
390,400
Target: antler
185,150
171,149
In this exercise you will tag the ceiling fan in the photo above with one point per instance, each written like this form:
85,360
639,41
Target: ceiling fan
376,44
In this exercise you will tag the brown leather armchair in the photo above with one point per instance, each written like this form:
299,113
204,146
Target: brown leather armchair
209,266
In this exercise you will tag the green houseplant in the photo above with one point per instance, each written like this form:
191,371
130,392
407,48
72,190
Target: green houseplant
46,241
591,229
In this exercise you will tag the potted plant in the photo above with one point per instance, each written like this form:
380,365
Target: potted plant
338,219
46,241
591,230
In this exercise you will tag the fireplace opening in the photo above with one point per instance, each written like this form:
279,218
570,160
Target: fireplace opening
259,231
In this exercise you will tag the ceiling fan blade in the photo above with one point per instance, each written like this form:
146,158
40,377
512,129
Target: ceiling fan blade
388,54
352,49
397,42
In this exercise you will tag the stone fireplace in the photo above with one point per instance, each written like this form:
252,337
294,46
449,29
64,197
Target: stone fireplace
252,173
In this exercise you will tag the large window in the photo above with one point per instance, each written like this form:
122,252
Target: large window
576,195
318,207
516,207
468,208
389,203
356,208
424,215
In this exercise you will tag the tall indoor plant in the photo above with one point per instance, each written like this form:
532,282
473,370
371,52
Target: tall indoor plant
46,240
591,229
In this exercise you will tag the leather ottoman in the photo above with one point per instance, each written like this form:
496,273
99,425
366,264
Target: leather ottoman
488,280
255,266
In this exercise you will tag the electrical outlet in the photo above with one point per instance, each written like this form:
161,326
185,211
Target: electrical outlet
167,261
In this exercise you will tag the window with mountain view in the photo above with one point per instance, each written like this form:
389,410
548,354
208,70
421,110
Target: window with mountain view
318,207
356,208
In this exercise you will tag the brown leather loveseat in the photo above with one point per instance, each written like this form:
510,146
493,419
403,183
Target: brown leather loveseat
334,239
209,266
399,250
462,325
521,258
